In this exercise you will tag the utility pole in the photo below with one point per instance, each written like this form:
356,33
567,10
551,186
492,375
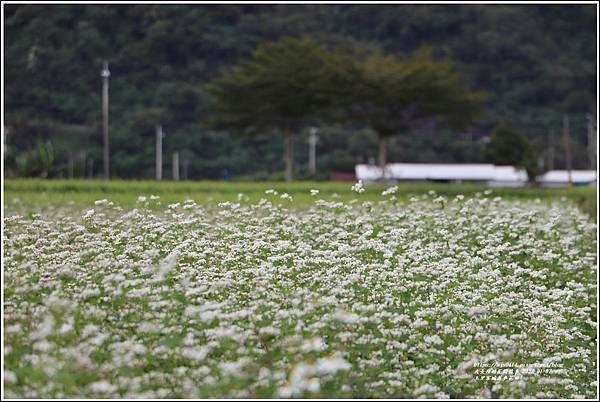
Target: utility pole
567,140
176,166
592,139
312,150
159,137
105,74
550,150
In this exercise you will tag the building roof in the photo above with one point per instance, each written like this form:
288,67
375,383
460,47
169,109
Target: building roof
562,176
442,171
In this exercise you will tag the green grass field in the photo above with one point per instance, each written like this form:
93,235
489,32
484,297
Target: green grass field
37,193
261,290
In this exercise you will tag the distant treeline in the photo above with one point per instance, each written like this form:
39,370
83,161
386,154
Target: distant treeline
536,62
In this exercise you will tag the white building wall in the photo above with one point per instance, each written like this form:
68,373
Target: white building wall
492,175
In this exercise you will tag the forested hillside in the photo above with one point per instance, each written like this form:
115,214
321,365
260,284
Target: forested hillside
536,62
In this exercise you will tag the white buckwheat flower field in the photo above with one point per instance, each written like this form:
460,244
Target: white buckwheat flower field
426,296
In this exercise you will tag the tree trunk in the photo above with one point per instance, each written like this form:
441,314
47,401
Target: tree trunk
289,155
382,159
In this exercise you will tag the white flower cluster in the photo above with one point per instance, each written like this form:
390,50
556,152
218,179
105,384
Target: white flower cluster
379,299
305,377
286,196
390,190
358,187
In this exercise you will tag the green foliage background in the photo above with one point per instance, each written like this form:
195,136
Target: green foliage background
536,62
510,147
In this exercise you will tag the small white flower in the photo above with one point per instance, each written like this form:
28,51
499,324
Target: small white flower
286,391
390,190
42,346
312,385
9,377
197,354
102,387
426,389
433,340
148,327
477,310
331,365
65,329
314,192
315,344
168,264
358,187
345,317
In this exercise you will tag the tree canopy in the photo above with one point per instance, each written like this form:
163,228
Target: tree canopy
283,86
508,146
396,94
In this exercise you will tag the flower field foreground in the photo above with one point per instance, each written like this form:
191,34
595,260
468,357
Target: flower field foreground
433,297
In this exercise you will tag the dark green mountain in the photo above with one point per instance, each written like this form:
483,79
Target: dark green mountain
537,63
